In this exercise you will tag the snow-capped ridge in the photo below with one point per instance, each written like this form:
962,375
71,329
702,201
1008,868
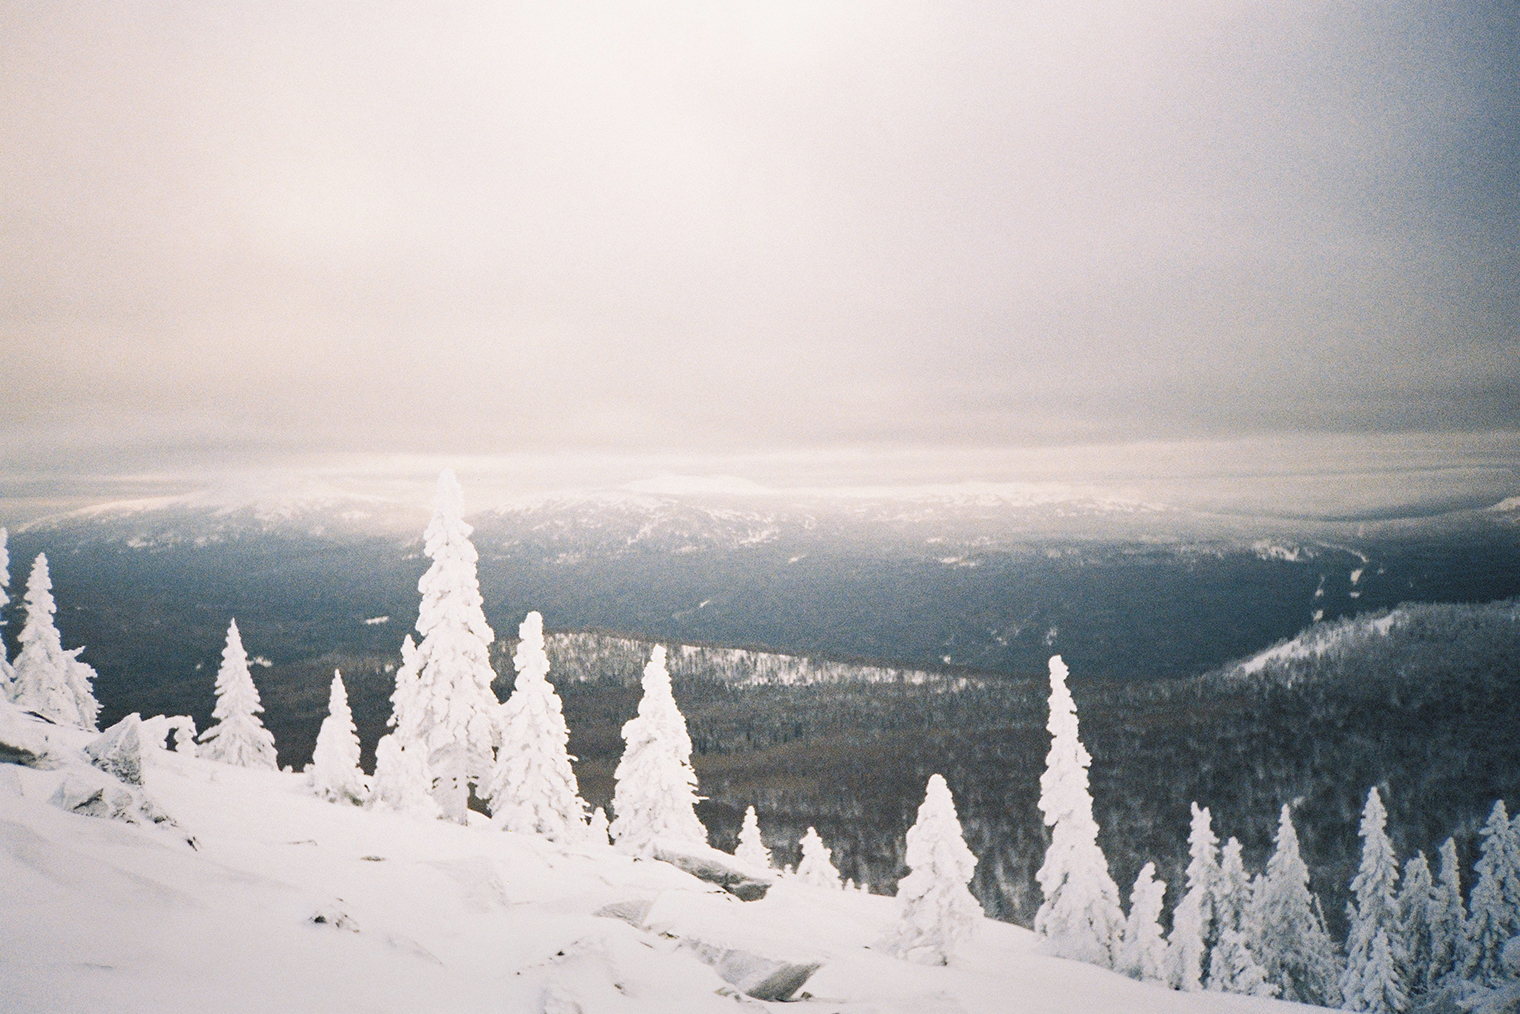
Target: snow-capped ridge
1323,638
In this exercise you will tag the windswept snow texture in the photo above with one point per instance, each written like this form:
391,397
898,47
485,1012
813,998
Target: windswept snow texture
287,903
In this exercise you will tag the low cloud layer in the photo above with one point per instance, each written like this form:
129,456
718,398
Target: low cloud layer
279,228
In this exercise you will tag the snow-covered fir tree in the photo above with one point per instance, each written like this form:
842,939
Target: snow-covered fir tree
1494,908
655,794
751,849
1448,921
405,715
403,781
334,770
238,737
1193,934
1080,916
1416,906
1379,987
6,675
1143,955
1295,949
1233,967
1232,891
533,789
936,913
453,713
1374,946
817,864
47,679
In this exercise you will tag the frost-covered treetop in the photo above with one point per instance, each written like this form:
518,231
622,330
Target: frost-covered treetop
334,768
530,659
48,680
235,692
453,712
238,737
450,588
751,848
533,788
1063,786
655,794
935,841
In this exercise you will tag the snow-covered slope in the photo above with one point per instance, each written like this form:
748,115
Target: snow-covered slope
1323,638
287,903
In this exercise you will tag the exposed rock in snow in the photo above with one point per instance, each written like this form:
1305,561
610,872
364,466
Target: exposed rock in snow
23,740
118,750
716,867
334,914
758,976
94,797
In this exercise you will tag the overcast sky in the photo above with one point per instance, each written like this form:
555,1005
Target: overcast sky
243,230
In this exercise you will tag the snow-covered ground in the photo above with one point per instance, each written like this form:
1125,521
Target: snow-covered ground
427,916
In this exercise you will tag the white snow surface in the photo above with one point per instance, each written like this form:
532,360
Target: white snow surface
428,915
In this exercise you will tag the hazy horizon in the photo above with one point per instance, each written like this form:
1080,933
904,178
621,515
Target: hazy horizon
239,238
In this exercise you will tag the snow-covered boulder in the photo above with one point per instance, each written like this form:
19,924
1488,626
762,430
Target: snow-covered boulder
23,739
90,794
732,874
118,750
759,961
754,974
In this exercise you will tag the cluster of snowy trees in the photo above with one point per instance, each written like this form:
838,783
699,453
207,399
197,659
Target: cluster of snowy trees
1264,934
1260,934
45,678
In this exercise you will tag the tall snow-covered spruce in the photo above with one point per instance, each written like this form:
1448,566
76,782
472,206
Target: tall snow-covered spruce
1080,917
1374,945
238,737
1143,955
1494,908
453,713
47,679
1233,967
533,789
1448,920
936,911
655,795
1295,949
403,779
1193,923
334,770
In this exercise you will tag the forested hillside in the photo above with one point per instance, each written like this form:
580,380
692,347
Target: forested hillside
1425,707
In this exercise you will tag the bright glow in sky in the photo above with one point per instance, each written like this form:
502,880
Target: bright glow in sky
242,233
